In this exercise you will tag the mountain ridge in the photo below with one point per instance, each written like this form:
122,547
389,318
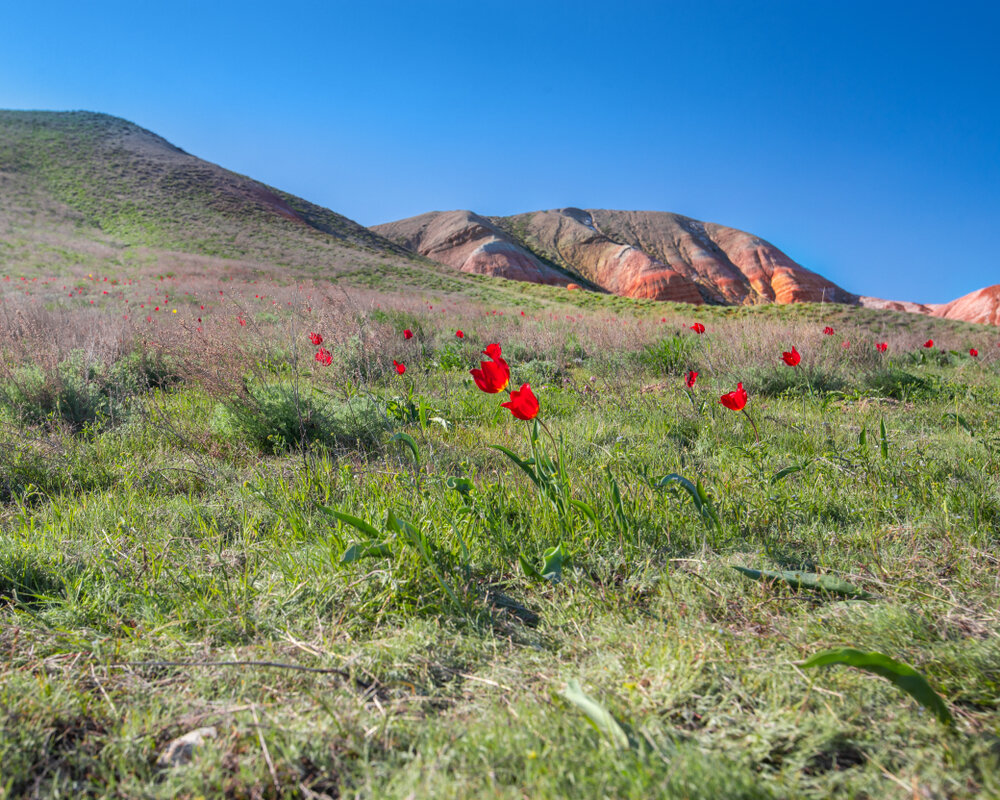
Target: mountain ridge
642,254
78,187
646,254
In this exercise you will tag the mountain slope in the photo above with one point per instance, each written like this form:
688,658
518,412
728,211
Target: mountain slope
983,305
641,254
473,244
86,182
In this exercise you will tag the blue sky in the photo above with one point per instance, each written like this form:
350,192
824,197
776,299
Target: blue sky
861,138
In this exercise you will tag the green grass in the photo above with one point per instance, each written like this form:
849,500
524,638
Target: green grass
177,567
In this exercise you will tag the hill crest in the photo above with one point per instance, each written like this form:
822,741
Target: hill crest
641,254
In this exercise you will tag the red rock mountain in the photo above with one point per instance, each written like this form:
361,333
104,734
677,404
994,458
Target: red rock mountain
648,254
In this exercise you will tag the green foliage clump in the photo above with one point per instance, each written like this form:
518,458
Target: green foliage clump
277,417
537,371
776,381
898,384
673,355
82,392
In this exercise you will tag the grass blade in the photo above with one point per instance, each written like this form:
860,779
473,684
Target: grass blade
597,715
405,438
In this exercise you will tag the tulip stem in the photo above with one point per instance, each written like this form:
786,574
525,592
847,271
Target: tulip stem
756,435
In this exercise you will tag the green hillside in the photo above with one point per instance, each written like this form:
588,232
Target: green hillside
74,184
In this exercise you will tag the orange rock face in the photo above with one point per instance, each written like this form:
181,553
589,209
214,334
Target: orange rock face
896,305
470,243
982,305
727,265
643,254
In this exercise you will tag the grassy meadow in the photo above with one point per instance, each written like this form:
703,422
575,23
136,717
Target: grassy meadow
334,572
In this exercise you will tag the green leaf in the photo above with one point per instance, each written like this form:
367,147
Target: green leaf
617,506
463,486
585,509
358,551
402,527
789,470
528,467
805,580
528,567
863,438
699,496
553,560
689,487
354,522
902,676
408,440
422,414
597,715
884,444
958,419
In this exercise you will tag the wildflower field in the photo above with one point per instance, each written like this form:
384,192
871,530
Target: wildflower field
516,543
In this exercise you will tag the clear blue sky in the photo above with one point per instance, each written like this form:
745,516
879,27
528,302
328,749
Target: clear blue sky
861,138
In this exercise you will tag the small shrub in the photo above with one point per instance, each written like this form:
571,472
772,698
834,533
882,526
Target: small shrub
277,417
671,356
83,393
772,382
25,581
450,357
538,371
897,384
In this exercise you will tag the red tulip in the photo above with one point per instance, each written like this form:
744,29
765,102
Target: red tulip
493,351
459,334
792,358
492,376
698,328
316,339
407,334
523,403
882,346
324,357
692,376
973,352
400,368
828,330
929,343
845,345
735,400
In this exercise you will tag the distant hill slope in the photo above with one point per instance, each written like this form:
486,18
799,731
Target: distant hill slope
641,254
82,182
982,305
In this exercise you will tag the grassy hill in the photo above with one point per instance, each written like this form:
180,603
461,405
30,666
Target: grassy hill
85,189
